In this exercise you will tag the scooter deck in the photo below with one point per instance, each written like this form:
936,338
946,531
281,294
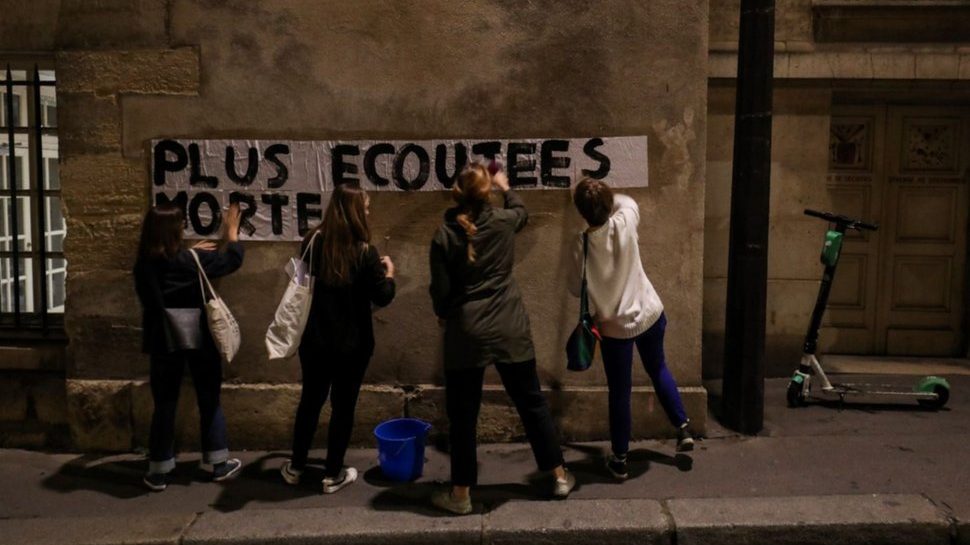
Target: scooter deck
874,390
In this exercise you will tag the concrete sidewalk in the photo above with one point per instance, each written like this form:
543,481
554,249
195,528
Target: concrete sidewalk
820,474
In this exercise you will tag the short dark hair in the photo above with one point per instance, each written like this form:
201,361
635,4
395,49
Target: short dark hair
594,200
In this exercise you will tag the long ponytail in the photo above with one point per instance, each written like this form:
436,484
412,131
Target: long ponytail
471,193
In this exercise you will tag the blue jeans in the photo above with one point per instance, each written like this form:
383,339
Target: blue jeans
618,361
166,381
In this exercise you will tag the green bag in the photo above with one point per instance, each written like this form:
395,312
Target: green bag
581,345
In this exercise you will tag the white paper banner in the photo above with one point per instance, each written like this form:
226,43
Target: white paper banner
282,185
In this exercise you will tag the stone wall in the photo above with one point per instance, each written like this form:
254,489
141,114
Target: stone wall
800,136
130,71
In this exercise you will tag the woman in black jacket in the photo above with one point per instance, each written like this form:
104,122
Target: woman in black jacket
338,341
474,293
167,282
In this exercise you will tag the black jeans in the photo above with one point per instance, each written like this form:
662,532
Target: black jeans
463,393
166,381
340,377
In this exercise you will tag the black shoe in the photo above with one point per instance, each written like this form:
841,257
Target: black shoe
156,482
617,466
685,441
226,470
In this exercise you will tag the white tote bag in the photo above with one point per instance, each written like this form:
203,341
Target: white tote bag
222,324
283,335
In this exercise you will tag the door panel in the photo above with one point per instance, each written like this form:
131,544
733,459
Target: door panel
923,252
855,184
901,290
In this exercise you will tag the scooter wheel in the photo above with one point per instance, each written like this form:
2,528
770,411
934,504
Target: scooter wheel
795,396
942,396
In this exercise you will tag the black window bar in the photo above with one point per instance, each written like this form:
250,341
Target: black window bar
34,128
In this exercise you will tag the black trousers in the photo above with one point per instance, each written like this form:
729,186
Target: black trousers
340,378
166,380
463,393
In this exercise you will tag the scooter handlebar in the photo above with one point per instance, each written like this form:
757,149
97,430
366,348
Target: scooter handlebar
848,222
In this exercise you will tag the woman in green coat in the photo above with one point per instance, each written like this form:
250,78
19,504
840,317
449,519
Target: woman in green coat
476,297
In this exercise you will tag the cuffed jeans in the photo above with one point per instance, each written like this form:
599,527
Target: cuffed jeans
340,377
618,361
463,393
166,381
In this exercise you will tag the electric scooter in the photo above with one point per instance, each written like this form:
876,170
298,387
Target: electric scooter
931,392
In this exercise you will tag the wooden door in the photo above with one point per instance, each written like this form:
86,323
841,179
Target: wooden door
900,291
920,311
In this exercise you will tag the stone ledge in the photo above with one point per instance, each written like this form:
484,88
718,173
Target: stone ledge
580,522
142,71
808,520
140,530
113,415
339,525
908,64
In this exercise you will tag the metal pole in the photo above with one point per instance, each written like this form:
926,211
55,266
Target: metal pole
41,204
12,180
744,351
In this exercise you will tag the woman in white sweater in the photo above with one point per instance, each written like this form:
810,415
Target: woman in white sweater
627,311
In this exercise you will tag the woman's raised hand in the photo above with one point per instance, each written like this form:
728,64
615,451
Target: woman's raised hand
233,217
501,181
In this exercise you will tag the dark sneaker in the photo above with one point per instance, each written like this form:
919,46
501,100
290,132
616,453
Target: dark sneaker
290,474
685,442
156,482
226,470
562,486
617,466
442,499
333,484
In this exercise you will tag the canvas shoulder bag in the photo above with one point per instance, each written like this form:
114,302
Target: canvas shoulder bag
284,334
581,345
222,324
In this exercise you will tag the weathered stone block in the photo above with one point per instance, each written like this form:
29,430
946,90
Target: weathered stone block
99,414
36,358
106,184
106,243
112,23
104,347
140,71
937,66
87,124
890,65
13,399
49,396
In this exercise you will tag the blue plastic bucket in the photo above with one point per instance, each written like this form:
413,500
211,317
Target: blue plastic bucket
400,447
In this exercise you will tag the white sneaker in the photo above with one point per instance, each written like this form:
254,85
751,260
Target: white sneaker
563,486
333,484
290,475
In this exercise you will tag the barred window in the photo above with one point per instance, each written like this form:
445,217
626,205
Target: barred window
32,228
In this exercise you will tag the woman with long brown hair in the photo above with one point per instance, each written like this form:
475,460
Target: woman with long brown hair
176,336
476,297
338,341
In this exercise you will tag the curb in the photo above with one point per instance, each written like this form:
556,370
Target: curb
801,520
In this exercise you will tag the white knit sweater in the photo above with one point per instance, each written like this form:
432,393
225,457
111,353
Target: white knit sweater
621,298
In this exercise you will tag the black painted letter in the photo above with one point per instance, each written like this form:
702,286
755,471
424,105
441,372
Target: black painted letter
195,164
246,212
424,168
277,201
590,150
163,165
303,214
370,163
489,150
441,167
550,162
337,165
252,166
209,200
525,164
282,173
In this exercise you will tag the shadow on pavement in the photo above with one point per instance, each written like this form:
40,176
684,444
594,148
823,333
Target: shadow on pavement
260,481
117,478
592,468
